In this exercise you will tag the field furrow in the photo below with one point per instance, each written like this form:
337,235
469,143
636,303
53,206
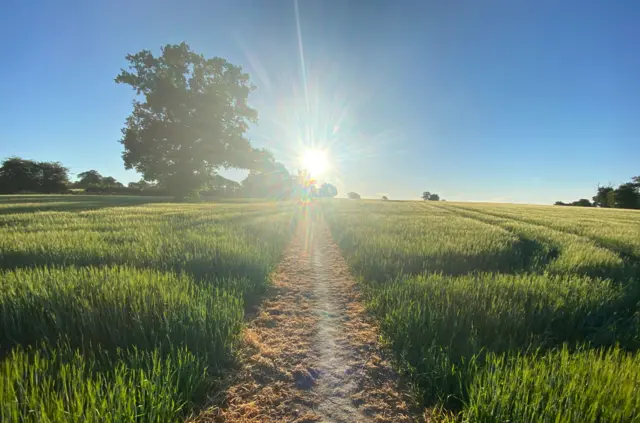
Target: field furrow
622,238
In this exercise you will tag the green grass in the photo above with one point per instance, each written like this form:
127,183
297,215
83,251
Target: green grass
119,307
621,232
573,253
461,288
206,241
583,387
124,309
128,309
441,325
62,385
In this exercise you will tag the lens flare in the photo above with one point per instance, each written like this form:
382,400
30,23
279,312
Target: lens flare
315,162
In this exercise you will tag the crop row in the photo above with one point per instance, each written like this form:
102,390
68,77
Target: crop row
496,318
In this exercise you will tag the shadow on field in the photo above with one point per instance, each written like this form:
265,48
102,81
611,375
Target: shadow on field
538,256
616,246
217,270
68,203
527,255
627,271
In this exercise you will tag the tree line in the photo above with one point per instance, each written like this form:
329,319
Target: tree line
18,175
625,196
269,180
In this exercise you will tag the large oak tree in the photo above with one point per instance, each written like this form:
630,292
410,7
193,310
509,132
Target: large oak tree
189,117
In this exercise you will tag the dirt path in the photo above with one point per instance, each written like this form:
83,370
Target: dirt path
311,355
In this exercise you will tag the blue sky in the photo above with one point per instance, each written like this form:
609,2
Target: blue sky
495,100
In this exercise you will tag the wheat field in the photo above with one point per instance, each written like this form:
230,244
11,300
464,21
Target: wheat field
504,312
130,309
116,309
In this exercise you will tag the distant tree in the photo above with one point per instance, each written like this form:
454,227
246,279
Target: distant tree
189,120
279,181
230,188
353,196
271,181
254,185
427,196
627,196
583,202
636,181
327,190
220,186
303,187
605,197
54,178
141,184
110,182
90,178
20,175
384,198
264,161
559,203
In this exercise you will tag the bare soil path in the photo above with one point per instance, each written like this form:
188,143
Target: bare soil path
311,354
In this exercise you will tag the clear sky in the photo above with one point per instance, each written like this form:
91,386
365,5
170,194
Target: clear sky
497,100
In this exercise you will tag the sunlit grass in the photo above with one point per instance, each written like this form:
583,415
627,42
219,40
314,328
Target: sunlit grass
460,290
124,310
119,307
584,387
620,231
572,253
440,325
65,385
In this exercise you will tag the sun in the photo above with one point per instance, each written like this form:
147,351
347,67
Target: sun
315,161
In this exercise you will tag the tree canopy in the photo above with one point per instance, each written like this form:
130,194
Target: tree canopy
93,179
327,190
20,175
189,118
626,196
427,196
89,178
273,181
605,197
